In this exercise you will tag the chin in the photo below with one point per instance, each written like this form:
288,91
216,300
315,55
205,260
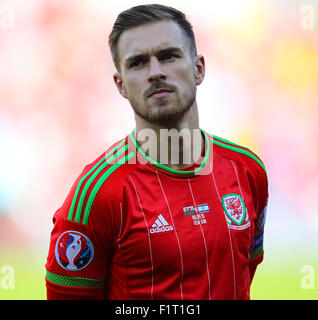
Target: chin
163,111
166,114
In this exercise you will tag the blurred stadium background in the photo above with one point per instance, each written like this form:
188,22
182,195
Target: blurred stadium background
59,109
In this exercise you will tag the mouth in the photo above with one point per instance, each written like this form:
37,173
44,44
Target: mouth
160,93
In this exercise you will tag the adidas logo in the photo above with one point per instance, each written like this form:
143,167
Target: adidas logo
160,225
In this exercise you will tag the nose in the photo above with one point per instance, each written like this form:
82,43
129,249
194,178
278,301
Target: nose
155,70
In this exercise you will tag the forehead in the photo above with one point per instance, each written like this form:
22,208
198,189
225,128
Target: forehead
151,37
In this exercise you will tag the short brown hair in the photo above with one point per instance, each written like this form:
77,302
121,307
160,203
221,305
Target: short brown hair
143,14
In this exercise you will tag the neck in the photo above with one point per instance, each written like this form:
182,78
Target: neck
175,144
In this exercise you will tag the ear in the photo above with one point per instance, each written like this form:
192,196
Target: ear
120,84
199,69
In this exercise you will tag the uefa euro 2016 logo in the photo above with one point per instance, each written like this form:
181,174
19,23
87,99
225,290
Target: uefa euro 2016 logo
73,250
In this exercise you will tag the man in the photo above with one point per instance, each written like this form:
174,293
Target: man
135,226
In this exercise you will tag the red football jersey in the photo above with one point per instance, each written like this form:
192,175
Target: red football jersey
132,228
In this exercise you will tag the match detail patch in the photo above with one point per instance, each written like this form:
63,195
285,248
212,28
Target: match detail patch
73,251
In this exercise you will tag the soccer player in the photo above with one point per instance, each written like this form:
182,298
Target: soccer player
137,226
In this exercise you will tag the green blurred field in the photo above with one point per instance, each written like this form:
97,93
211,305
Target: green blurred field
272,281
281,283
29,274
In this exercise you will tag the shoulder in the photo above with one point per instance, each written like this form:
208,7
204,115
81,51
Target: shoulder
249,165
242,155
98,187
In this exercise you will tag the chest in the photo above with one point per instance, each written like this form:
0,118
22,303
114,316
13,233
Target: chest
200,218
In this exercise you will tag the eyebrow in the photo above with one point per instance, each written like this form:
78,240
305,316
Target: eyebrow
144,56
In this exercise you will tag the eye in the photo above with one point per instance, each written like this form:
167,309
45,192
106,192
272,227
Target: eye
137,63
168,56
134,64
